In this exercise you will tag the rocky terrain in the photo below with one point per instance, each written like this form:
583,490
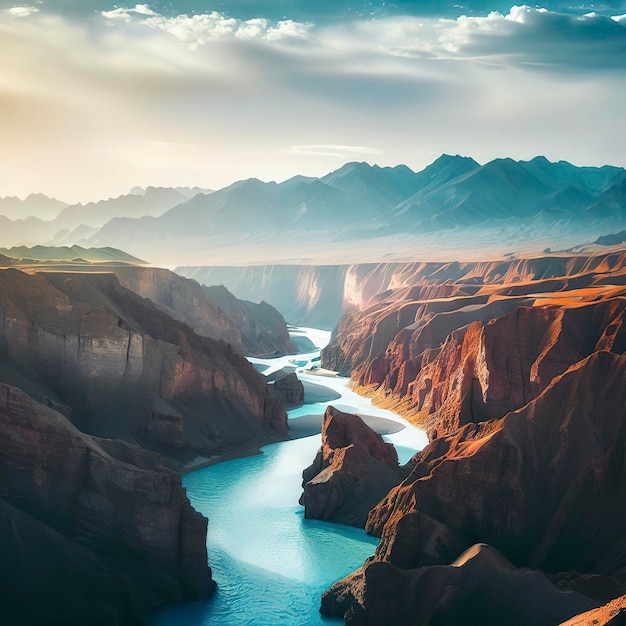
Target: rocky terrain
352,471
519,377
318,295
102,392
119,367
95,531
480,587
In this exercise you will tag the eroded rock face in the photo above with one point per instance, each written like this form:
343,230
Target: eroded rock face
486,369
124,369
480,587
611,614
352,471
545,484
253,329
110,516
289,389
447,361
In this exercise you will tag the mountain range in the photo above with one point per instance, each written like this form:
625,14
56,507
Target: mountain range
503,205
39,219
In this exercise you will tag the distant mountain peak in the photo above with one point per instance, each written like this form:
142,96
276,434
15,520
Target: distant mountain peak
446,159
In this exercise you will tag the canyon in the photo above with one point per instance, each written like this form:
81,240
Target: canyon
105,396
513,367
517,372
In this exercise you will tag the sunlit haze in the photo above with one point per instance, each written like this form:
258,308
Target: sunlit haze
101,99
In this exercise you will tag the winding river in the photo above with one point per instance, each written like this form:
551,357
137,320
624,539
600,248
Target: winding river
271,565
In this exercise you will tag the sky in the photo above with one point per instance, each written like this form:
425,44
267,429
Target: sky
96,98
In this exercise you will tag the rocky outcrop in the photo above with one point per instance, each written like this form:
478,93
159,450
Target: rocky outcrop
318,295
486,369
520,382
124,369
263,329
480,587
352,471
612,614
253,329
94,531
545,484
289,389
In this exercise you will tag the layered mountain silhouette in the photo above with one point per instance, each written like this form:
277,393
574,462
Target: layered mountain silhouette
530,200
38,218
506,201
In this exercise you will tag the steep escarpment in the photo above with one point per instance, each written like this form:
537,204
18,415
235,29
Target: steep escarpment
480,587
352,471
482,370
518,374
91,533
122,368
545,485
253,329
318,295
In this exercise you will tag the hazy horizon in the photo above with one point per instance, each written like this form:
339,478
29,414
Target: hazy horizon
98,99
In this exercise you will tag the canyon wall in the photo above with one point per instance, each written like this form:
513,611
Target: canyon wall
253,329
120,367
93,527
94,531
518,375
317,295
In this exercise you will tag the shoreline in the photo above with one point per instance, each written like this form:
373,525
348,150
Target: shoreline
305,426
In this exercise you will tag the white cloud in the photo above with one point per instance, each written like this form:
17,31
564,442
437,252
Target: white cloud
138,98
22,11
333,150
127,14
196,30
288,29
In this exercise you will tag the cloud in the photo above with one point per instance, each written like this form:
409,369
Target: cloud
128,14
529,37
22,11
196,30
133,97
336,151
537,37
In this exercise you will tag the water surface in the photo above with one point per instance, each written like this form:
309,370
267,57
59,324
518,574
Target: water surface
271,565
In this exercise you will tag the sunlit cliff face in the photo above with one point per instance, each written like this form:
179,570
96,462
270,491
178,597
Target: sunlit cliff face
97,99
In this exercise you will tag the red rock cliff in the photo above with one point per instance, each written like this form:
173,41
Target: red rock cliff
125,369
119,530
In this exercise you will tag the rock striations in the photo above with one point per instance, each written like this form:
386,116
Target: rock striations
94,529
352,471
95,532
480,587
122,368
521,386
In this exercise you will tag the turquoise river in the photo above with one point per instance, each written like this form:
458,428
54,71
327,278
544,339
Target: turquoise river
271,565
